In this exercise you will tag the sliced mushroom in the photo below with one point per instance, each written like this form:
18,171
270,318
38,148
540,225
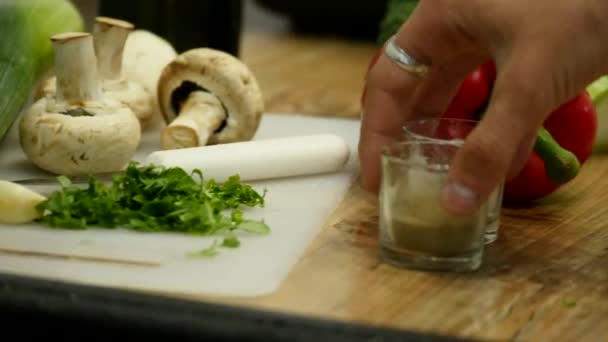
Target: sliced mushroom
208,96
110,36
77,131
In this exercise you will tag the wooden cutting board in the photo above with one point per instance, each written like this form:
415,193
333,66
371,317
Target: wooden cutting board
296,210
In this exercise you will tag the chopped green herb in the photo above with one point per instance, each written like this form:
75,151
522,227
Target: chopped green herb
155,199
211,251
255,227
208,252
568,303
231,242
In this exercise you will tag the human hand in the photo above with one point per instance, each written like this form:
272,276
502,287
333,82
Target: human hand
545,51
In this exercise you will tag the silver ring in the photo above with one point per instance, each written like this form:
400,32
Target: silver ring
406,62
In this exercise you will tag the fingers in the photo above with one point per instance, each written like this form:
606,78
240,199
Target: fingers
502,142
393,95
383,116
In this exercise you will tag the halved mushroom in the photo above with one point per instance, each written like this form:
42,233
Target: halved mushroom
109,40
77,131
208,96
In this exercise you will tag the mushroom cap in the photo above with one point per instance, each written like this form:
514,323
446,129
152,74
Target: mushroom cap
144,57
224,76
130,93
79,145
134,96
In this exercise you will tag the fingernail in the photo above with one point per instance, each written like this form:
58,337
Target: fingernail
459,199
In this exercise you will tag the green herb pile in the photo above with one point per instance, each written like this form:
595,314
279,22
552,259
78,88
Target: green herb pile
155,199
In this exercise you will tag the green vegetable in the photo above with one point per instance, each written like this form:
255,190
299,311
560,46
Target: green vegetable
231,242
568,303
598,91
208,252
26,53
211,251
397,12
155,199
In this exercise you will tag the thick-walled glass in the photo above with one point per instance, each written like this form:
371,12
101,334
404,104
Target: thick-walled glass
456,130
415,230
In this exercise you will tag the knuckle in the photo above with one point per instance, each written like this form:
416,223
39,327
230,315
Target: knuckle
486,156
524,96
522,77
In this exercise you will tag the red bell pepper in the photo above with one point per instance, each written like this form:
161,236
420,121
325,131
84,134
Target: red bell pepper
564,142
573,126
473,93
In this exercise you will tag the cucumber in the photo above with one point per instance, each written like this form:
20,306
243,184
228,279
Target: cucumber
26,53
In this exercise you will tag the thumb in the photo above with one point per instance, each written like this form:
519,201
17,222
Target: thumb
503,140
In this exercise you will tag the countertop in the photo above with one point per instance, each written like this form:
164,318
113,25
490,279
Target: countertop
545,279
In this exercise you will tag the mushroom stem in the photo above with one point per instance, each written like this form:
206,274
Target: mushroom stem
110,38
75,61
200,115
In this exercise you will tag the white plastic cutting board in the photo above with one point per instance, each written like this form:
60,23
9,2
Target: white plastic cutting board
296,210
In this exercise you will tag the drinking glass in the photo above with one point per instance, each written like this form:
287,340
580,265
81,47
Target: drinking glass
415,230
456,130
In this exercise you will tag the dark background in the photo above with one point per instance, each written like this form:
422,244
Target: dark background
218,24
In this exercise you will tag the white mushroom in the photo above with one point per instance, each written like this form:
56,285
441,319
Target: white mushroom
208,96
110,36
77,131
109,40
145,56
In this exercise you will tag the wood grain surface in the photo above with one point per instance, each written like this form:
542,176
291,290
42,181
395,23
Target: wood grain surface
314,76
545,279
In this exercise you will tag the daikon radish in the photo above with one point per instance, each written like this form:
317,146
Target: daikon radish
260,159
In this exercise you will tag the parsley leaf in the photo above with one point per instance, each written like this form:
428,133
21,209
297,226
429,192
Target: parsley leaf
208,252
211,251
154,199
255,227
231,242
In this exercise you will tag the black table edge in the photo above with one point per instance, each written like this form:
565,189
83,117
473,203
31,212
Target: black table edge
68,310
